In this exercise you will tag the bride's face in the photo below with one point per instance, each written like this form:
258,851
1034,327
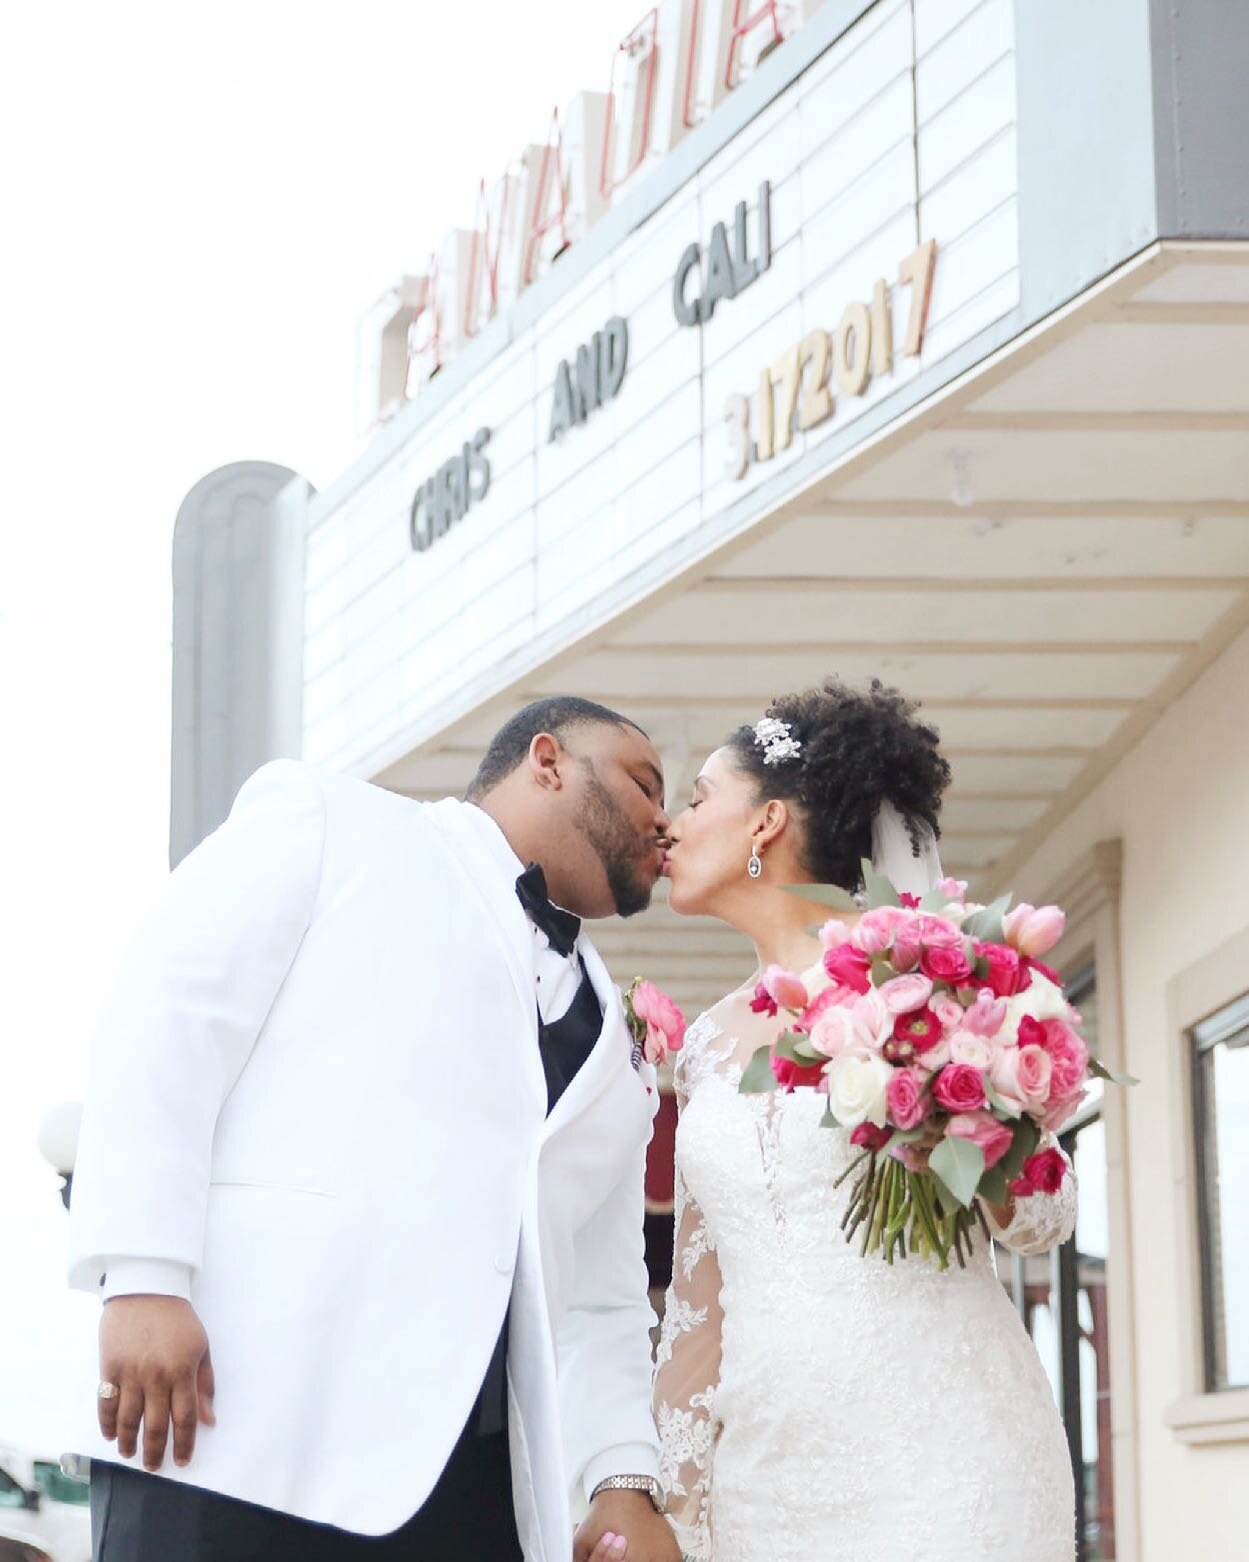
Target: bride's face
711,839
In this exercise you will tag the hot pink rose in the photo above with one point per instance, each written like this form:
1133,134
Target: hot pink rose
785,989
868,1137
849,966
1040,1173
789,1074
982,1128
959,1088
1069,1056
987,1014
903,1099
946,963
1006,972
763,1001
902,994
1033,931
665,1024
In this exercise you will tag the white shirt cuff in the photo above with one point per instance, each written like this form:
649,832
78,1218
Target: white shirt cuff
624,1459
146,1277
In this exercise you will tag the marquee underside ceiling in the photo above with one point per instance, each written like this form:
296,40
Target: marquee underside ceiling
1047,555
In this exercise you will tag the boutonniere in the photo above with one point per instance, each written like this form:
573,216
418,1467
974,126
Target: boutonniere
655,1022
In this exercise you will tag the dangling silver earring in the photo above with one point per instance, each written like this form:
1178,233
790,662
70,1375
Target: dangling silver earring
754,865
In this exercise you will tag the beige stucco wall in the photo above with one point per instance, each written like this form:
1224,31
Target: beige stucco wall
1179,802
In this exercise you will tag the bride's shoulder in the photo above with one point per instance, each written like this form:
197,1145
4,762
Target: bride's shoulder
712,1038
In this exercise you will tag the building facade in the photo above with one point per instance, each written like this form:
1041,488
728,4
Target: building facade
902,339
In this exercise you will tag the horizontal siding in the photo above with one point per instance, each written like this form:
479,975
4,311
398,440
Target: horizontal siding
903,129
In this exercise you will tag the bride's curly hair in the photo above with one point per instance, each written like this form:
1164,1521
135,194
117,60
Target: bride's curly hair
860,747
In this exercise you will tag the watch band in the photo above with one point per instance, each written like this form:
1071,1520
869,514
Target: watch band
642,1483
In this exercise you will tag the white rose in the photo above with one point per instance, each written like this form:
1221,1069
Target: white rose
1042,1000
856,1089
966,1048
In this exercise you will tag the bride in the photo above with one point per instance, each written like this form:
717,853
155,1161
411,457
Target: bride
812,1403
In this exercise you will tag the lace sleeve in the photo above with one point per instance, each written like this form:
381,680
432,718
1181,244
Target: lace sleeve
687,1374
1042,1220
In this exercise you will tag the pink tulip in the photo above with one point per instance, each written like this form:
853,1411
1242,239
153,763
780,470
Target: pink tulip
953,889
1033,930
787,990
665,1024
833,932
987,1014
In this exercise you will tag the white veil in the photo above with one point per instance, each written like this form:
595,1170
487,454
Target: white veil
893,855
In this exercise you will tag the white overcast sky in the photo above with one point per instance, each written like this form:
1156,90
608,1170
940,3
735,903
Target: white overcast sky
199,202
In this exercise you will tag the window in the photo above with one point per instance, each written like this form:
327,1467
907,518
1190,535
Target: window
1221,1134
1061,1297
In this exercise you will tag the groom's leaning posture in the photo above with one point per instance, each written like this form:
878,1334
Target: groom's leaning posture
361,1169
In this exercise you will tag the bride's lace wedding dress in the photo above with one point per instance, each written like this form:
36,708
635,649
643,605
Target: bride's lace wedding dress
818,1406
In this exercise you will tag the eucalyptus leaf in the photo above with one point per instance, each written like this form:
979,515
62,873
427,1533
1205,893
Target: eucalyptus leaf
1027,1137
986,924
993,1185
881,970
960,1165
949,1204
787,1044
880,892
757,1076
831,895
935,900
828,1120
1102,1072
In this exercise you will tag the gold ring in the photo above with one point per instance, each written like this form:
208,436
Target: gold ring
108,1390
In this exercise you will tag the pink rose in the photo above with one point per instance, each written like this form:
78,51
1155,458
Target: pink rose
1060,1108
836,1032
946,963
1069,1055
1006,973
901,994
982,1128
933,1059
1033,931
876,929
868,1137
785,989
987,1014
1033,1070
665,1024
1040,1173
949,1011
829,998
903,1099
938,932
959,1088
904,956
789,1074
849,966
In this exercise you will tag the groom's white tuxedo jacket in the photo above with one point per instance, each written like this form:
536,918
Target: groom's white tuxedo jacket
318,1085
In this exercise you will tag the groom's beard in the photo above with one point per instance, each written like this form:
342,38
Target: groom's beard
625,857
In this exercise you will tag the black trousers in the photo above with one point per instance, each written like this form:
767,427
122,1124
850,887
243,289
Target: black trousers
468,1517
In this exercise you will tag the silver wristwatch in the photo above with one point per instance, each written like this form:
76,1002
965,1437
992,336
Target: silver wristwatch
642,1483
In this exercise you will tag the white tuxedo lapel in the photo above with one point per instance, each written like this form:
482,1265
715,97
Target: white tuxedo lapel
610,1060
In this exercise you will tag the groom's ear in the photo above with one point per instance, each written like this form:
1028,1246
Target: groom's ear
546,756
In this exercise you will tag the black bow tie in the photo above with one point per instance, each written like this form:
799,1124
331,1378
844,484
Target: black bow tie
560,927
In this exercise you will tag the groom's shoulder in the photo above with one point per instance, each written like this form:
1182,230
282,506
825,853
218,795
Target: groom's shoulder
296,782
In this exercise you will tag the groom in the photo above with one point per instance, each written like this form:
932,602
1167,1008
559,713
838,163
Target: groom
360,1175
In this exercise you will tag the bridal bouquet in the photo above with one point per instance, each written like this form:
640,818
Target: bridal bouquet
944,1045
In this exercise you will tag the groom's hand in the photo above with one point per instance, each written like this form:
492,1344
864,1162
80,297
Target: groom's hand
629,1516
155,1350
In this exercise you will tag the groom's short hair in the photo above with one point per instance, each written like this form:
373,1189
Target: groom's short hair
558,715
